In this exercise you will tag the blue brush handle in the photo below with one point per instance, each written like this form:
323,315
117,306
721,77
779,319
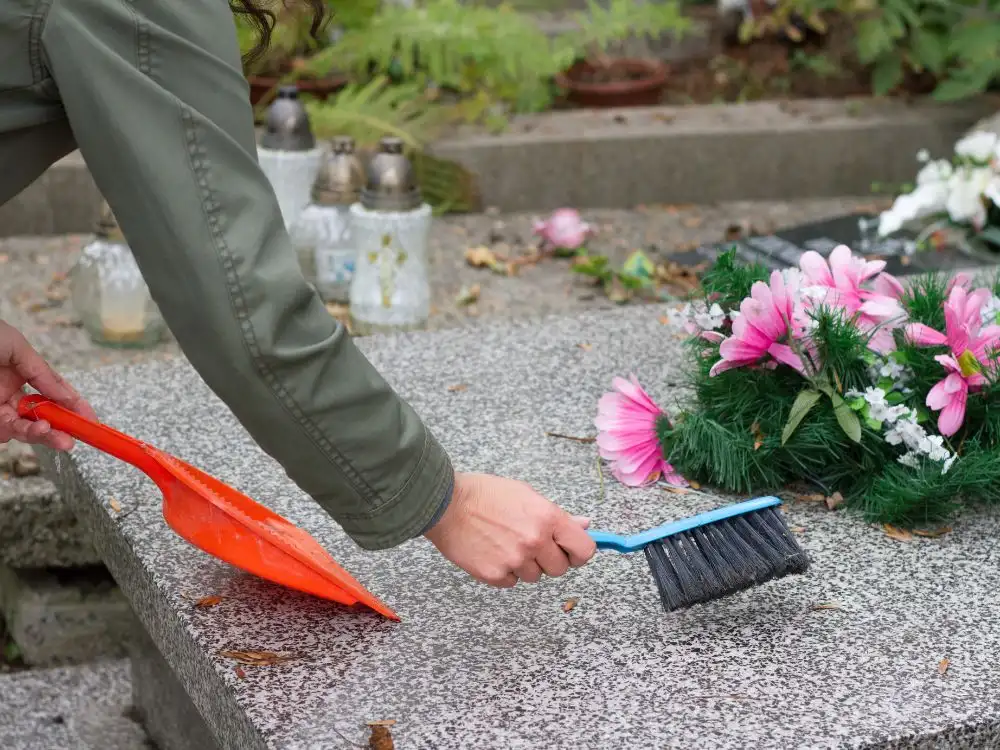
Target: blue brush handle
636,542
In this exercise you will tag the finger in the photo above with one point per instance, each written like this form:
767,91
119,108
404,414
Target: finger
37,373
529,572
553,560
575,541
583,521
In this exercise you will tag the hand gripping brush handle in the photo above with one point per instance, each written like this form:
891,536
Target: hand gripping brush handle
215,517
715,554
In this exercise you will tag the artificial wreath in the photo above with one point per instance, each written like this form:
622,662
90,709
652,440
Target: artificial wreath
832,374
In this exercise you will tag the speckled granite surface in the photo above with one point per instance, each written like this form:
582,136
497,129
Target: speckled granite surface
472,667
70,708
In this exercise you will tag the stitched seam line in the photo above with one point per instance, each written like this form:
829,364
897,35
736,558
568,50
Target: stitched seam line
197,158
35,29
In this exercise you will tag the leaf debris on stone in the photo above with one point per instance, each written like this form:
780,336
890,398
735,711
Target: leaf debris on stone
207,601
458,387
257,658
574,438
240,674
115,505
570,604
900,535
834,501
943,666
468,295
932,533
381,736
824,605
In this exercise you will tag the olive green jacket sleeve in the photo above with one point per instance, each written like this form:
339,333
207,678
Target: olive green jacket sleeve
155,97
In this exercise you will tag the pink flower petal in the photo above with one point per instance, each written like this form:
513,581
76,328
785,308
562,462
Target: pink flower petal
784,354
888,286
923,335
815,267
951,417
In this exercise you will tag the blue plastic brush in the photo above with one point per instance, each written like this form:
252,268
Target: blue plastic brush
715,554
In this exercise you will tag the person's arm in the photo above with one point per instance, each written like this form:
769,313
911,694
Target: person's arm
159,107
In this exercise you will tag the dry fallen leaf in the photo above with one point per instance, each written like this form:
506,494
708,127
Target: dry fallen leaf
900,535
825,605
240,673
814,498
758,436
932,533
834,501
586,347
458,387
796,529
481,257
207,601
256,658
115,505
569,604
381,737
574,438
664,320
467,295
675,490
694,484
943,666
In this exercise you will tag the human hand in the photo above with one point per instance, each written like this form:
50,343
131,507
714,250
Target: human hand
21,365
501,531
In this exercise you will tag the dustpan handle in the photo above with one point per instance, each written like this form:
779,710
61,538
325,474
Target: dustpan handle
95,434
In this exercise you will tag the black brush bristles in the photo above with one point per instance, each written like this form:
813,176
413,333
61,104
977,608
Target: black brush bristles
718,559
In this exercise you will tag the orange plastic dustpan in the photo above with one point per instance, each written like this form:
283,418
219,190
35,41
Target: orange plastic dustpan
216,518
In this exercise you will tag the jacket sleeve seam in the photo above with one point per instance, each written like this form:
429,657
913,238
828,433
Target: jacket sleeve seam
199,165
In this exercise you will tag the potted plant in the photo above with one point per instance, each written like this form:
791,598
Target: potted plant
292,45
596,78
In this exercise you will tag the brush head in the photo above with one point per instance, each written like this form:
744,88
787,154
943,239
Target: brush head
722,557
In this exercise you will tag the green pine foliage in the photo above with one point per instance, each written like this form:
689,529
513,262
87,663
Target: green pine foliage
758,430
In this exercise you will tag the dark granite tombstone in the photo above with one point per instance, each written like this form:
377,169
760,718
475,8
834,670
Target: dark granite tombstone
784,248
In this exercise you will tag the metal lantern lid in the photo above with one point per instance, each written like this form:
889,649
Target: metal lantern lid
392,185
341,176
288,126
107,225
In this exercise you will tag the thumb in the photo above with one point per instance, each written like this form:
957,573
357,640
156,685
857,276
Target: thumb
583,521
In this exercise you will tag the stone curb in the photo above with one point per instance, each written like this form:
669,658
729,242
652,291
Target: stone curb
623,158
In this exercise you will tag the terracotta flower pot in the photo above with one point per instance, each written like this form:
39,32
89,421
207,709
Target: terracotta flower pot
320,88
632,83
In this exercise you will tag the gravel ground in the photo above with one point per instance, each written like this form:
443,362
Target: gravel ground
34,290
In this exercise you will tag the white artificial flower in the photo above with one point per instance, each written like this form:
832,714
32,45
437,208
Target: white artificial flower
923,155
965,199
979,146
935,171
709,319
930,196
992,191
989,313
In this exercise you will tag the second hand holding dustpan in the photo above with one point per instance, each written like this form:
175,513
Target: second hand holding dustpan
215,517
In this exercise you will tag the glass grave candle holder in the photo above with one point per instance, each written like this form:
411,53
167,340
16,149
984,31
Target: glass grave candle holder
390,228
109,293
322,234
288,154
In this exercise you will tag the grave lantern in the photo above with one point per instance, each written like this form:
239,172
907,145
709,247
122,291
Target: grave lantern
108,291
390,227
323,231
288,153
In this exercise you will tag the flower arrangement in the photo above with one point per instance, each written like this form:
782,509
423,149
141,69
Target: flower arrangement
963,191
832,375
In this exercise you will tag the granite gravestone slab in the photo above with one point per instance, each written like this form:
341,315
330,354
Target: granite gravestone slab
473,667
784,248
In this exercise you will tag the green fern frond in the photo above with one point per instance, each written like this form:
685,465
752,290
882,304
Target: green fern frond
366,112
600,25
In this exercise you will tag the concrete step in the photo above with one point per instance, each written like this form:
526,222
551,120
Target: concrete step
83,708
64,616
37,529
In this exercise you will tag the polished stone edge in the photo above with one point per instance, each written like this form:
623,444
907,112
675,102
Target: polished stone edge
205,686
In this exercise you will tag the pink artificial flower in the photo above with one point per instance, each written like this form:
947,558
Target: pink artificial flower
769,317
970,346
878,311
626,422
564,229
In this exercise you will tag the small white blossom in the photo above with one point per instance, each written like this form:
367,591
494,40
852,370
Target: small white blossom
698,316
966,189
978,146
923,155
